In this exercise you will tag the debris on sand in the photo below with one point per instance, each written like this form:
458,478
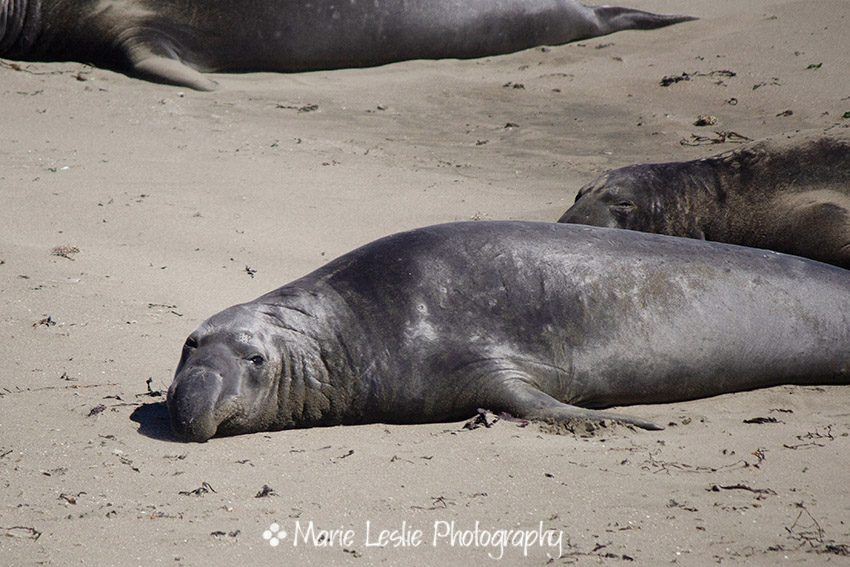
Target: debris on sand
64,251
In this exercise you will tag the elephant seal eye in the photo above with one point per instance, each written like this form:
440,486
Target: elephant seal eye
257,360
191,343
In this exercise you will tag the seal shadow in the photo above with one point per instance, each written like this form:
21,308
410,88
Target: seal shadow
154,421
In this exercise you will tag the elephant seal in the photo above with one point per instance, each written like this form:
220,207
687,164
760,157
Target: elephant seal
790,195
174,41
540,320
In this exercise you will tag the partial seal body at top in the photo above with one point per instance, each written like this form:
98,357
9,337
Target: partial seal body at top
790,194
174,41
540,320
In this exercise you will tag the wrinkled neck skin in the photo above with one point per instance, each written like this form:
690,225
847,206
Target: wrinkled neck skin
270,364
696,207
20,26
317,386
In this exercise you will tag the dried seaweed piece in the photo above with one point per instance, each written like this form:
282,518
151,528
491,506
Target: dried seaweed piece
48,321
64,251
759,491
759,420
205,488
483,418
99,408
720,137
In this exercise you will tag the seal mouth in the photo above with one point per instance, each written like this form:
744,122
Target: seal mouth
194,430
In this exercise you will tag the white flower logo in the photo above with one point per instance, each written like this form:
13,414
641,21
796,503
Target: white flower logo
274,535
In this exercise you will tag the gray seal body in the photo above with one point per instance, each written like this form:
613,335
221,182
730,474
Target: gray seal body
174,41
790,195
540,320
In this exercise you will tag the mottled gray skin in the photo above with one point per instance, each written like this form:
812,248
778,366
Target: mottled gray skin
792,196
174,41
540,320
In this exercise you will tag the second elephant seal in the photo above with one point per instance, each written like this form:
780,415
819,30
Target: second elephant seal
174,41
789,194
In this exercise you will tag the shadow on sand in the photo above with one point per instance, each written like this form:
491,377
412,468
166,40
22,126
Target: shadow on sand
154,422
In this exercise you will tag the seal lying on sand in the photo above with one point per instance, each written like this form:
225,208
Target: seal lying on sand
174,41
792,196
540,320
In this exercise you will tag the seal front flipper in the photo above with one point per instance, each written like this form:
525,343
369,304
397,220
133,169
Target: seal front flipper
521,399
146,64
565,413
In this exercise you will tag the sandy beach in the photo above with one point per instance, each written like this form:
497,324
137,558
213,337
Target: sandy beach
133,211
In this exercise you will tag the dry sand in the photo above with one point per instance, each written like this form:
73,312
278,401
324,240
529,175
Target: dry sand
172,197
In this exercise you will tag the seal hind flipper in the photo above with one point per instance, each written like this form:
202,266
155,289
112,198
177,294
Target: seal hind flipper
148,65
615,18
566,414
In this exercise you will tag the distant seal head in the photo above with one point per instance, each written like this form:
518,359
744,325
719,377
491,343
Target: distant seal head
540,320
175,41
789,194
